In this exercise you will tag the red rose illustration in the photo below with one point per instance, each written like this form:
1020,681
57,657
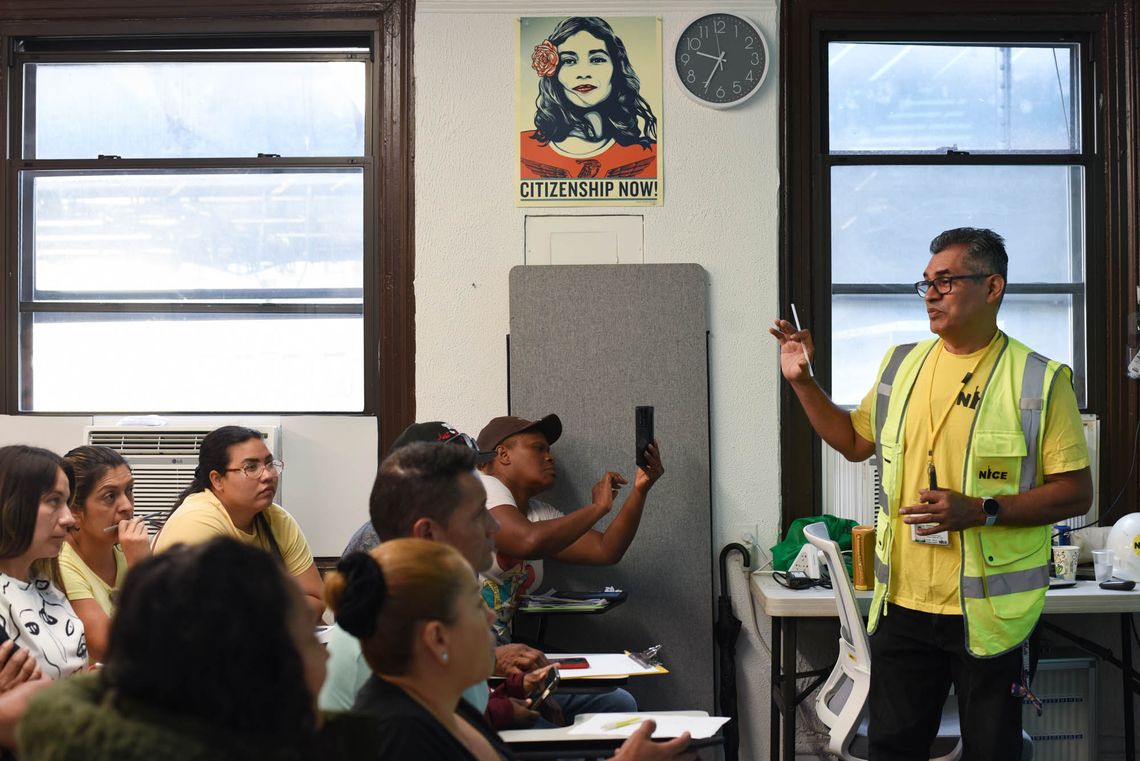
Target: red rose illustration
544,59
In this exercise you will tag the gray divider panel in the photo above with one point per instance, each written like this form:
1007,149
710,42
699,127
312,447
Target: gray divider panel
590,343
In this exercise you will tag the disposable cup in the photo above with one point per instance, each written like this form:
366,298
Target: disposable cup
1102,564
1065,561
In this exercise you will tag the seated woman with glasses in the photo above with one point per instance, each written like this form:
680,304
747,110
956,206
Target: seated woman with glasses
107,539
417,608
232,495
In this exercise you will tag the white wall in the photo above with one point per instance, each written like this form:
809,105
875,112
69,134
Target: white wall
720,211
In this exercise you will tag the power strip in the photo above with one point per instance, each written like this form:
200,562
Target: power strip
807,562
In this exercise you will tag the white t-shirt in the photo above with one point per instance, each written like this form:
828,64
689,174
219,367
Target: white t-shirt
39,618
509,578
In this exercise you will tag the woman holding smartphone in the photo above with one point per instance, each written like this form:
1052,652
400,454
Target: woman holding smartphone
35,615
107,539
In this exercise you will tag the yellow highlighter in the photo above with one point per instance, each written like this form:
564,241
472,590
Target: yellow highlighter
623,723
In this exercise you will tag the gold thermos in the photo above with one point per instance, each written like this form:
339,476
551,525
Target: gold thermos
863,556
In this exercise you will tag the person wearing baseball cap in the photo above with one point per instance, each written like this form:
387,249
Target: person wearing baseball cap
530,530
365,538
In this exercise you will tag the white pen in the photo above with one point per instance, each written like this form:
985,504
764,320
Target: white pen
796,319
115,526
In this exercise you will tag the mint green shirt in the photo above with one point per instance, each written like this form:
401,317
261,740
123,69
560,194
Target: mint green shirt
348,671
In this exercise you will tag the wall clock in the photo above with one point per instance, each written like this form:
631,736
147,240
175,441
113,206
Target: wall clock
721,60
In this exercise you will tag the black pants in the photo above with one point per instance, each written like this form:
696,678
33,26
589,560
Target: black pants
915,657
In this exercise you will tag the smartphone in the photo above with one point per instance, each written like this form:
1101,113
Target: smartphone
1121,585
544,690
643,423
571,663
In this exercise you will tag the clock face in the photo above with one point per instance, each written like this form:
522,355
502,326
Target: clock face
721,60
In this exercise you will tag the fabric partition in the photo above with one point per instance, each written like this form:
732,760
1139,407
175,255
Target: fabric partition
590,343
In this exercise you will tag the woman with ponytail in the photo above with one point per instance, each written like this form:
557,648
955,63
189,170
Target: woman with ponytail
232,495
106,541
417,608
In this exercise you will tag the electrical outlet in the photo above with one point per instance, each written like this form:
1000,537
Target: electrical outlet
747,534
807,562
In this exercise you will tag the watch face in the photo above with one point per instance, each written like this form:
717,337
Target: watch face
721,59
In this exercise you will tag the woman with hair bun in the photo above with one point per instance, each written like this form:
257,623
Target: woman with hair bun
417,608
107,539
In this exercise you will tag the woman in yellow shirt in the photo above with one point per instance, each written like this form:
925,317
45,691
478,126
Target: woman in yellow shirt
106,540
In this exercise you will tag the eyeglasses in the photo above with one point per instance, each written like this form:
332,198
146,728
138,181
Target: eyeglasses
943,285
255,469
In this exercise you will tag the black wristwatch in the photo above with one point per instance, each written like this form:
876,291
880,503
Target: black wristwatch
990,507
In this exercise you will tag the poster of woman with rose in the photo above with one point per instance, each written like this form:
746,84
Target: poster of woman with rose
589,105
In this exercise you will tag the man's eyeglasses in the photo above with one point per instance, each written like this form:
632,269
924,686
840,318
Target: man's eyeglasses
943,285
255,469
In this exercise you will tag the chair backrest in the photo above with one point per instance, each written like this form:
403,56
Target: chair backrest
851,627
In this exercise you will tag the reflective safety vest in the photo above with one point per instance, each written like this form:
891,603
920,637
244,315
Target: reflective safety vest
1005,569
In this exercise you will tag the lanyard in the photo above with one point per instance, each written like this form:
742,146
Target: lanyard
935,429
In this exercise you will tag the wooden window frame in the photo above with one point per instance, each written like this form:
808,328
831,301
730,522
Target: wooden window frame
805,276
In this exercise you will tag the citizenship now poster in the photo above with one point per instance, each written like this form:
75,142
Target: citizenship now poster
589,111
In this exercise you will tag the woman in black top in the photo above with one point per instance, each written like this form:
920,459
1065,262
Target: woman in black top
417,608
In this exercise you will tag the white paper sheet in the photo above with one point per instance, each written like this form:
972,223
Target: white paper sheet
603,664
668,725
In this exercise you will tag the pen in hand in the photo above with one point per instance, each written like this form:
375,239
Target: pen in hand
796,319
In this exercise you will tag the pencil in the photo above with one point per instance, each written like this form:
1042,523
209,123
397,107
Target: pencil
796,319
623,723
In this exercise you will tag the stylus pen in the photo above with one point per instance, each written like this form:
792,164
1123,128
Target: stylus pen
796,319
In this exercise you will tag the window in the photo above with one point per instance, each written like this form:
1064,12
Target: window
898,123
193,224
925,135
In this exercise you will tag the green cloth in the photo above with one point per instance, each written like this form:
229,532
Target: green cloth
839,529
80,719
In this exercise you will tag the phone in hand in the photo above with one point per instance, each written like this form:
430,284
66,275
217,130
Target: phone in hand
643,424
571,663
544,690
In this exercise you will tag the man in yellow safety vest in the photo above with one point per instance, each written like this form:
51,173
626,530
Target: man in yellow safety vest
980,450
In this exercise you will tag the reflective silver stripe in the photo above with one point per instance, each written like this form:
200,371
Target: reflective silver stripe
1032,400
882,571
881,406
1006,583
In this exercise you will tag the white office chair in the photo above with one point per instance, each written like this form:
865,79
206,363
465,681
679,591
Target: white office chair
842,701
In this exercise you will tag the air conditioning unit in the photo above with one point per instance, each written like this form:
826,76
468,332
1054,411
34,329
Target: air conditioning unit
162,459
850,489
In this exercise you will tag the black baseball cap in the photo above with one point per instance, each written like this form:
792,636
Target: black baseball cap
440,432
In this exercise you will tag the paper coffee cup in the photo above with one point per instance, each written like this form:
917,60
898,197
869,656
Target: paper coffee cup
1065,561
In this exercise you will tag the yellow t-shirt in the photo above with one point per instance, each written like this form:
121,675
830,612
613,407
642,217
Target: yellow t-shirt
926,576
81,583
201,518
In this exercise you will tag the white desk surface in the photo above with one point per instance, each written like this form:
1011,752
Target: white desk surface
562,734
816,602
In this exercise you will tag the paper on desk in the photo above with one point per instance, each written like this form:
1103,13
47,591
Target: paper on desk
605,665
668,725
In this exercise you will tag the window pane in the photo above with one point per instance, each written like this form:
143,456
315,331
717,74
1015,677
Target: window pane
195,110
197,235
908,97
864,327
167,363
889,214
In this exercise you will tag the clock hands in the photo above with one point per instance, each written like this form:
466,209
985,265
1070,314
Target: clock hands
708,55
717,65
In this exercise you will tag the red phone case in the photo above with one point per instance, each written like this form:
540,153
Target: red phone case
572,663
